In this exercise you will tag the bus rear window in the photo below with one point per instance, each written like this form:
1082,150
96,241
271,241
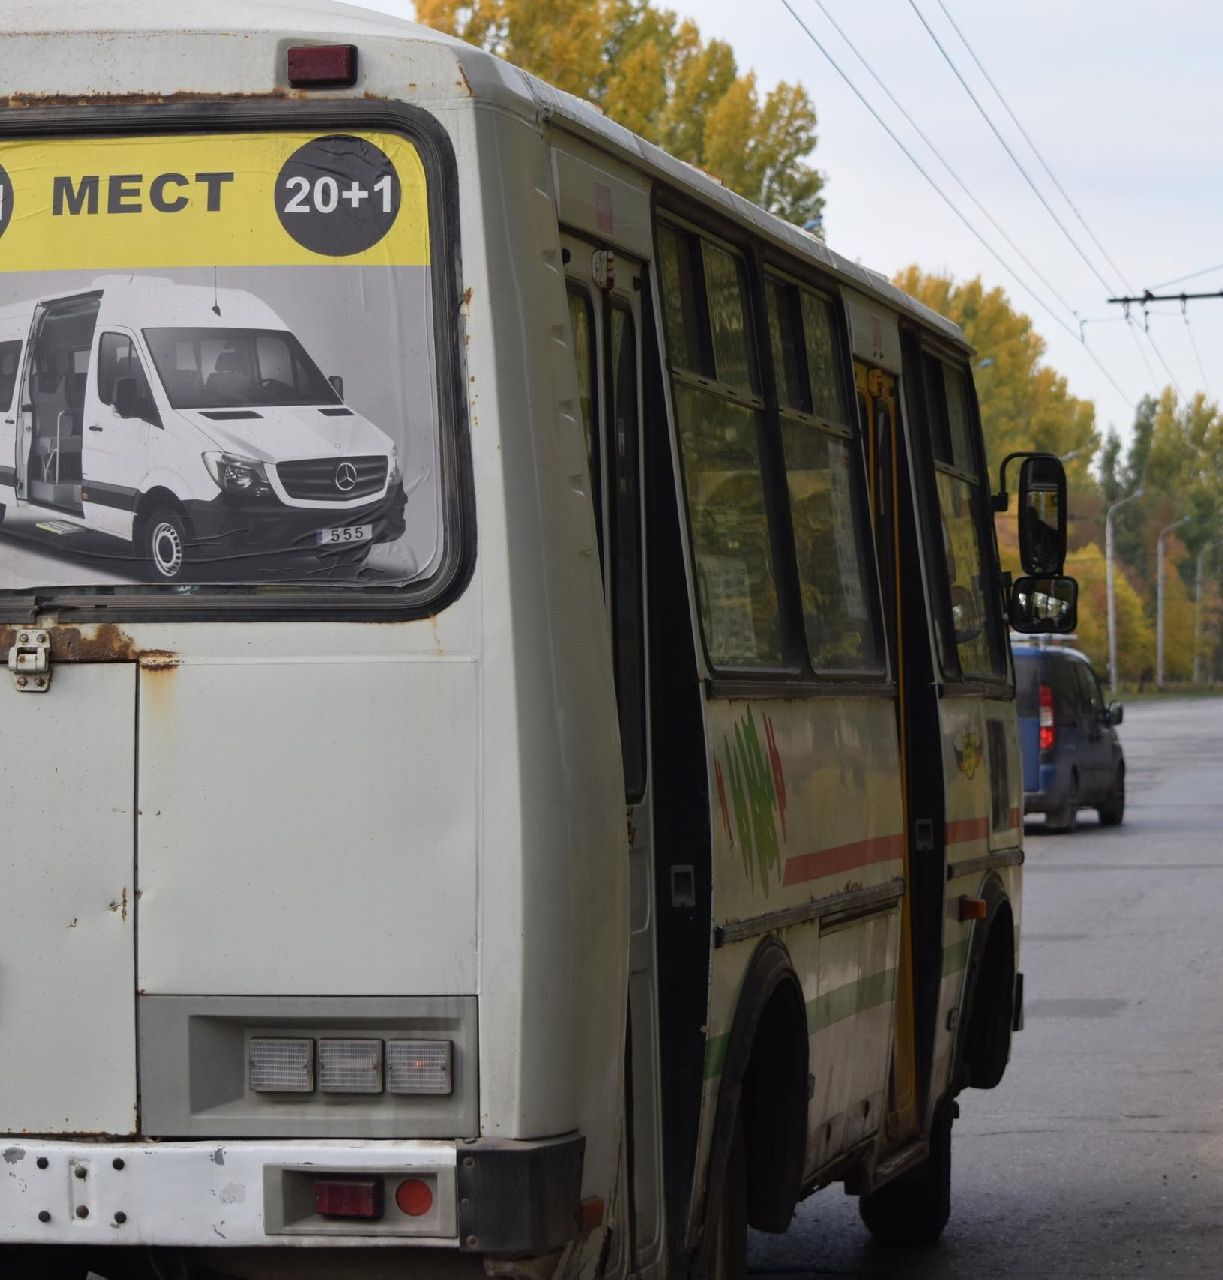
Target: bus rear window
259,372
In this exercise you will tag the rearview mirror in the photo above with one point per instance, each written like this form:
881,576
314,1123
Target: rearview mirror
337,384
1042,515
1044,606
1116,713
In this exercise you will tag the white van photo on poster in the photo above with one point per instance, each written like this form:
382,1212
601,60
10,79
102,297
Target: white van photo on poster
254,401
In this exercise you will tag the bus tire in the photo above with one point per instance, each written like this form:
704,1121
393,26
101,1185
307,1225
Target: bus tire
728,1257
912,1210
164,541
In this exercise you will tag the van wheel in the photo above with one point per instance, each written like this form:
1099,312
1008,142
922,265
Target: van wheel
1112,812
1065,819
164,541
912,1210
728,1257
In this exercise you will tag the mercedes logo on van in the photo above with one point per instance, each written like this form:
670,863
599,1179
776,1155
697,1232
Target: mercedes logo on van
345,477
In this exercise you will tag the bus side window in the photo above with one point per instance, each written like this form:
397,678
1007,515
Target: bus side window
720,414
825,484
582,323
10,358
963,516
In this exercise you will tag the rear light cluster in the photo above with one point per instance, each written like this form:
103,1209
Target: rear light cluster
288,1065
340,1197
1046,717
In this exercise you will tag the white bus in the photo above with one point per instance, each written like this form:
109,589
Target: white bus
630,844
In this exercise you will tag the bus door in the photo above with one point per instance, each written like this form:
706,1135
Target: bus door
605,294
875,389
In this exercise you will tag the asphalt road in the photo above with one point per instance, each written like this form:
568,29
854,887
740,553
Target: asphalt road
1101,1153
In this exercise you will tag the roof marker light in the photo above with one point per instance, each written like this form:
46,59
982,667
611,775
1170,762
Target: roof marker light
323,66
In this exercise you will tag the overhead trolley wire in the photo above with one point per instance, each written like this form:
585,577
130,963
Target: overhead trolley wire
1024,134
1027,177
1193,275
1027,288
943,159
1197,355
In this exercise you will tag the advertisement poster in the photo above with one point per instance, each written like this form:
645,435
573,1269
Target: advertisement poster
217,361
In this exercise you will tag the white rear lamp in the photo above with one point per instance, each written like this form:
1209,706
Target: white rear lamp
419,1066
350,1066
281,1065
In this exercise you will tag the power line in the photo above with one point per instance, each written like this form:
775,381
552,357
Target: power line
943,160
1027,176
1006,146
951,203
1193,275
1024,133
1197,355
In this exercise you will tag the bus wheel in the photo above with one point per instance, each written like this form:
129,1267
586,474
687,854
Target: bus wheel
164,542
728,1257
912,1210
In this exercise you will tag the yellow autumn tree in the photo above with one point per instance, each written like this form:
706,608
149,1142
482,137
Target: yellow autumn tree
1135,632
650,70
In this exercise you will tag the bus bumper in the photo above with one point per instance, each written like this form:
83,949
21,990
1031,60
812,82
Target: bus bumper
486,1196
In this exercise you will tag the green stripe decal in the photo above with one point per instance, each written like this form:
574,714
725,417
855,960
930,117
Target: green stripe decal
822,1012
955,957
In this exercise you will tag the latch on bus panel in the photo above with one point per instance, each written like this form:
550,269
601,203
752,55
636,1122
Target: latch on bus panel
30,661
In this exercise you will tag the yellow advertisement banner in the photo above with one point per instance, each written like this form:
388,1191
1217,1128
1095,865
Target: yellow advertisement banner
212,200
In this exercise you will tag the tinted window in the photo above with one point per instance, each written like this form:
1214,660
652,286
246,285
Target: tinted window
10,360
117,359
1027,680
222,368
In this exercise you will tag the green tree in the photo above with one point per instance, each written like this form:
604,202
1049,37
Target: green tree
1025,404
651,71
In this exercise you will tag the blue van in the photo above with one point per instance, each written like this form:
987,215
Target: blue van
1068,740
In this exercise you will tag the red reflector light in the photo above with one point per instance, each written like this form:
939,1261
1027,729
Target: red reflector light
348,1197
414,1197
323,66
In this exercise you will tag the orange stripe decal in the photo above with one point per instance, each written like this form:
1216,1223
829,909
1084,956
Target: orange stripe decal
842,857
965,829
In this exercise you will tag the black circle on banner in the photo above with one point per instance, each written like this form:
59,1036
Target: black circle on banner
6,200
337,195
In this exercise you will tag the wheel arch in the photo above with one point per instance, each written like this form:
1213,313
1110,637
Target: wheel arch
987,1002
765,1079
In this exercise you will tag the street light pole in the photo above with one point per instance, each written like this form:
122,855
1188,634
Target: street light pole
1159,599
1198,587
1108,576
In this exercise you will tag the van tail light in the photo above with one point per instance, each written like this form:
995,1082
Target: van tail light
1046,718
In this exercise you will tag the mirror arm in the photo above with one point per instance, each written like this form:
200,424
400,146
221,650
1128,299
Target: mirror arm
998,501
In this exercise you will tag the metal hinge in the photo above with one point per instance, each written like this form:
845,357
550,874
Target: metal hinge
30,661
603,269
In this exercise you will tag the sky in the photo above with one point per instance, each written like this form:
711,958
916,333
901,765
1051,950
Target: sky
1120,98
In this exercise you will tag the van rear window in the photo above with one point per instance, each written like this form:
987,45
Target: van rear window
1027,678
235,385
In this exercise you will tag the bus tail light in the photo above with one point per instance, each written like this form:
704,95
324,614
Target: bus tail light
348,1197
1046,717
280,1065
350,1066
419,1066
414,1197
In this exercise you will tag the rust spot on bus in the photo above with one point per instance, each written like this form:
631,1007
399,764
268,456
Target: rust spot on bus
159,660
24,101
95,642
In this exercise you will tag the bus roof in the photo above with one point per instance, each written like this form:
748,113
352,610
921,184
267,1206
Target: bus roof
481,75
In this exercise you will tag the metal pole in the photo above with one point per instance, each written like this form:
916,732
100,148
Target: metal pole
1197,620
1159,600
1108,577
